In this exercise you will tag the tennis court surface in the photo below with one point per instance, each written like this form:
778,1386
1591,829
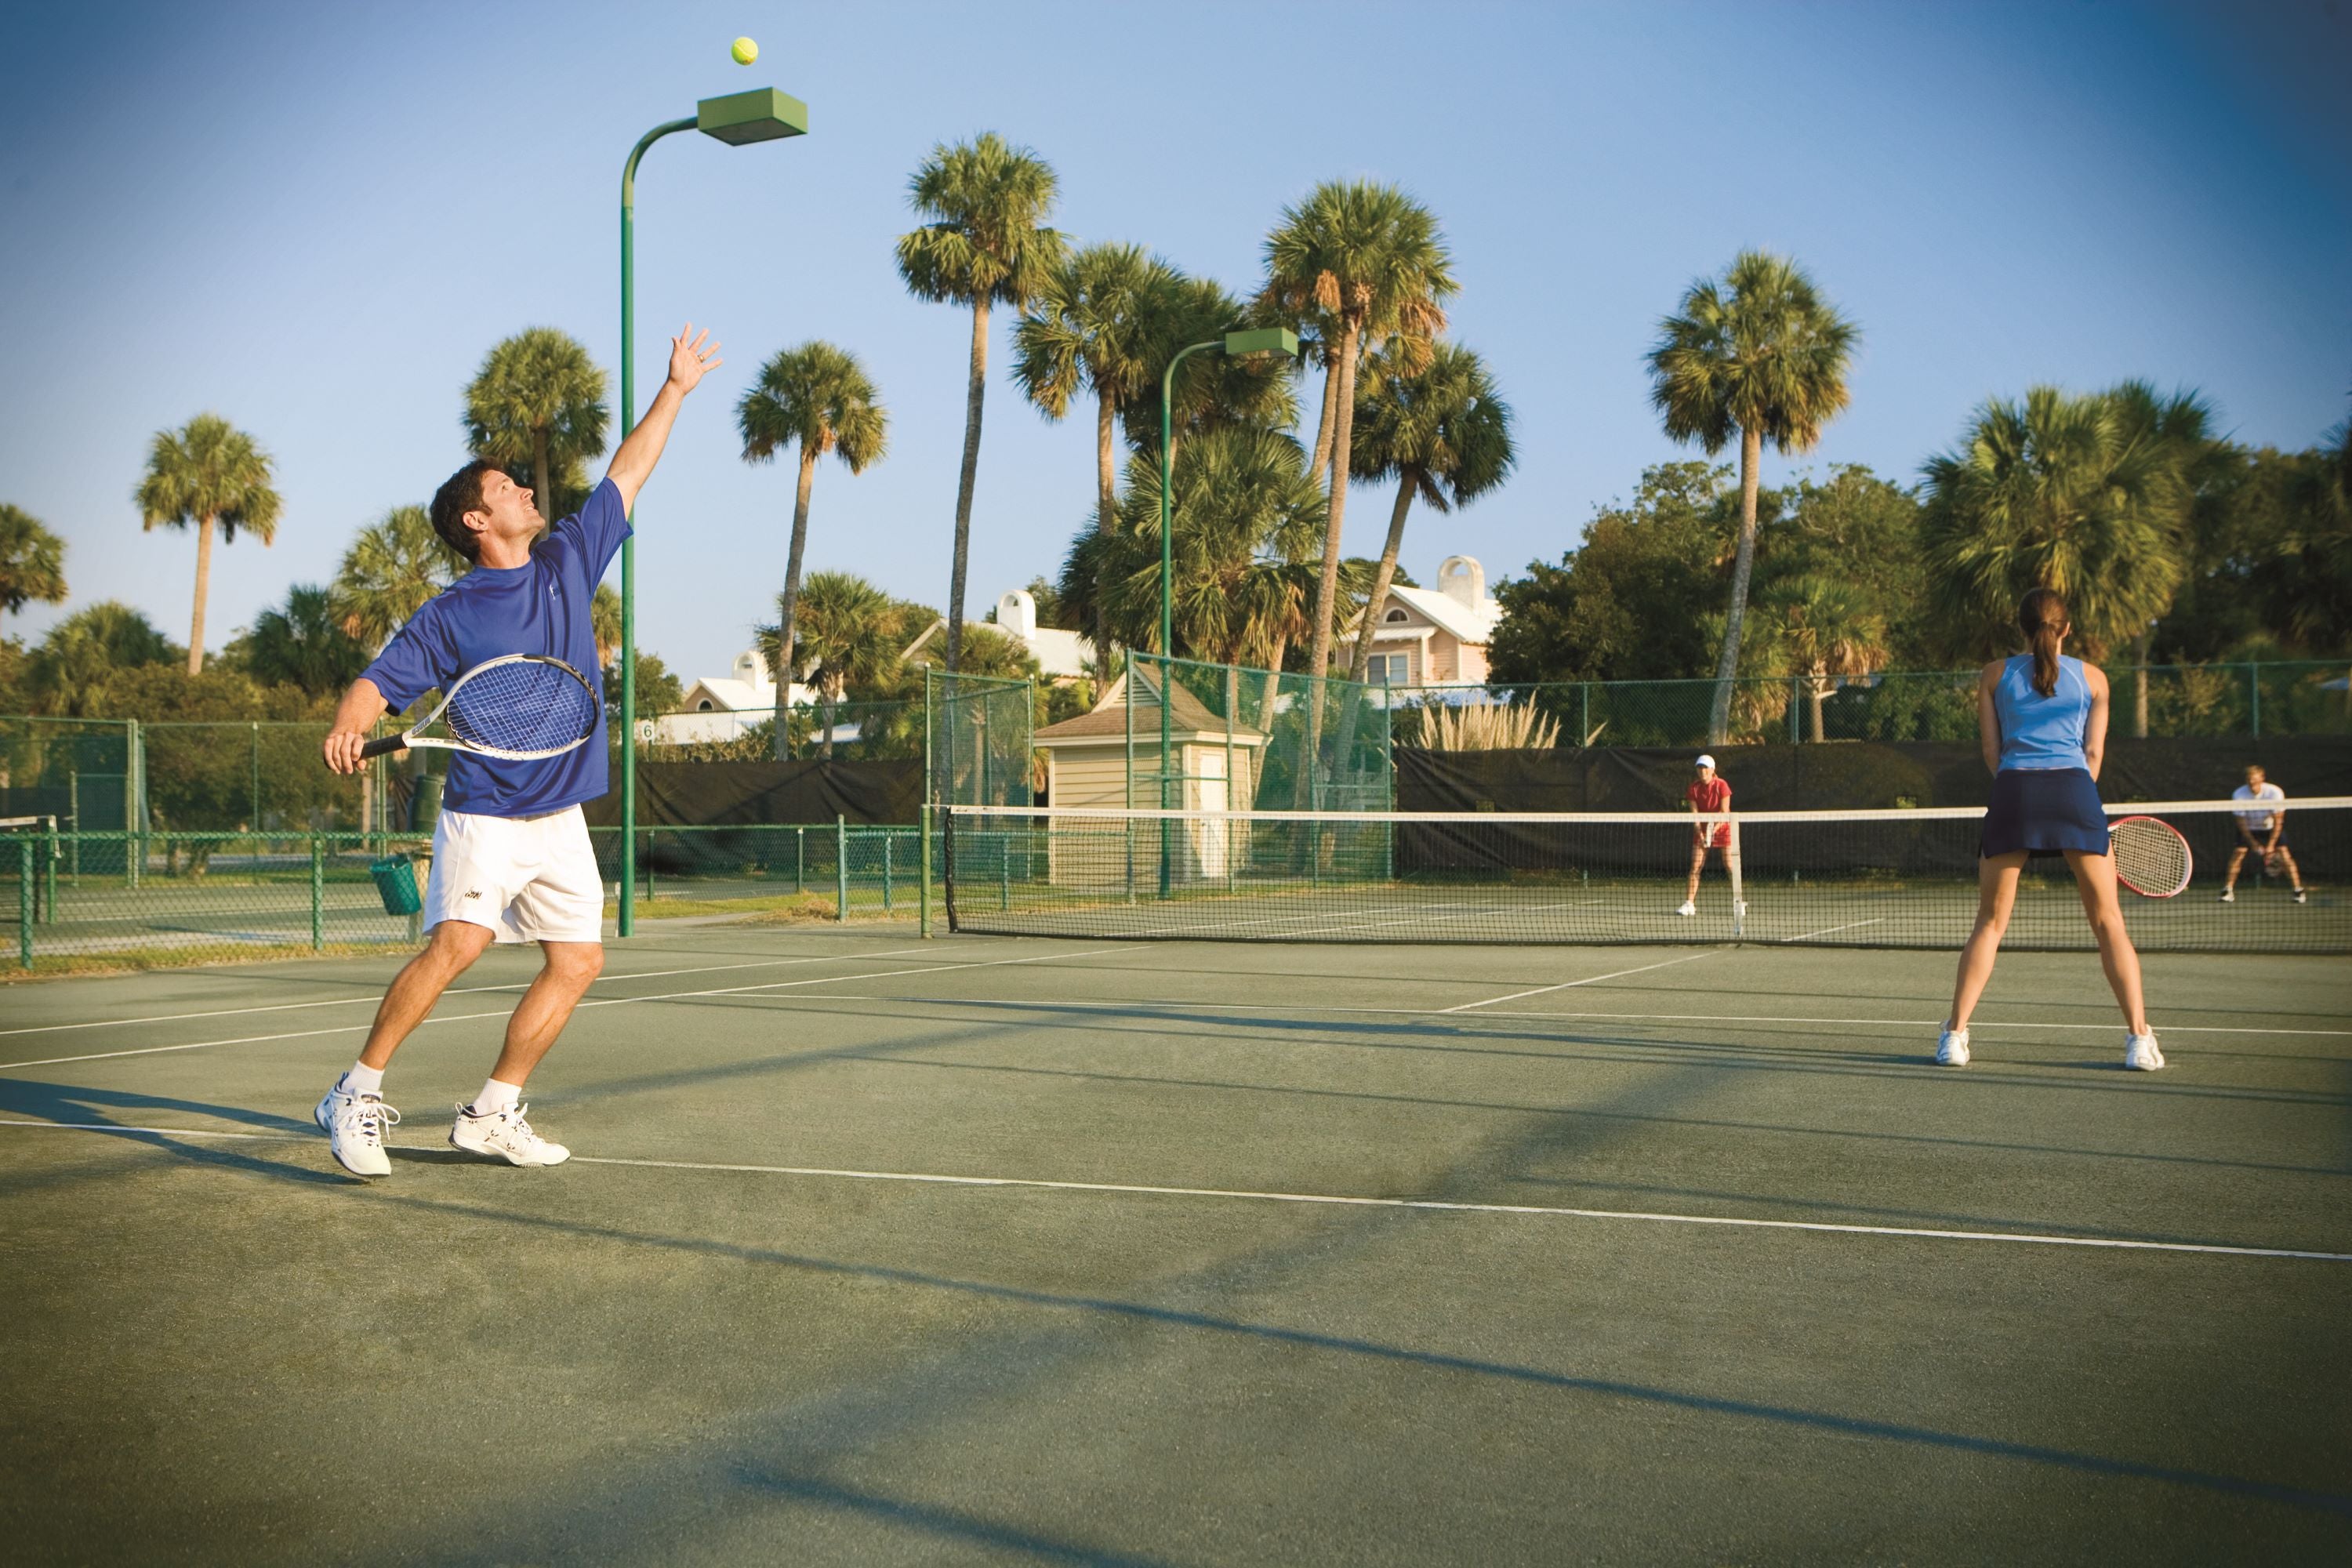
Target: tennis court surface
984,1248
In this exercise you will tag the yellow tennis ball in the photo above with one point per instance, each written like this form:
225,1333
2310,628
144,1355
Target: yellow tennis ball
745,51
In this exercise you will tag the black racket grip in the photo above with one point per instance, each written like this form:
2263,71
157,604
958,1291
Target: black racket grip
385,746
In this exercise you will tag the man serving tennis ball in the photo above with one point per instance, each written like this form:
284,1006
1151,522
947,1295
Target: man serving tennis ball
511,860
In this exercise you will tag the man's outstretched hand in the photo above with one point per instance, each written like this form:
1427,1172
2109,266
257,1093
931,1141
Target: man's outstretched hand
690,357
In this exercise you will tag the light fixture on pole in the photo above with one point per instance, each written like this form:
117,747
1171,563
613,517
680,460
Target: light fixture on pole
738,119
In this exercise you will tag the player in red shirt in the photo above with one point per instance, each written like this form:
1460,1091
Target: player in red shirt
1710,792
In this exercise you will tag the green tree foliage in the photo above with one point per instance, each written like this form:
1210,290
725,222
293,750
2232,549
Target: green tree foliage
986,244
850,633
1821,629
1369,260
659,691
537,408
302,644
2073,493
1248,522
1441,432
819,399
69,675
32,562
390,569
208,476
1763,356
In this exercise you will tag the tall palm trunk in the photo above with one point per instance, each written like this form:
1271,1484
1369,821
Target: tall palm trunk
1360,666
539,475
1323,431
1816,689
971,401
792,601
828,692
1327,589
203,586
2139,691
1751,459
1106,515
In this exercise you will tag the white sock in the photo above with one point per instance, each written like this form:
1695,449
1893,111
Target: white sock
496,1097
361,1079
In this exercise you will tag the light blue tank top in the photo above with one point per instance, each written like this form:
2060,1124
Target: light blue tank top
2038,731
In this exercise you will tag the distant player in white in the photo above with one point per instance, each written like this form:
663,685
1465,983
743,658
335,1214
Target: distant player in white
2261,829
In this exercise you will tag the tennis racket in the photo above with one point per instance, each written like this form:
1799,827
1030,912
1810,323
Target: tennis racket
518,707
2151,858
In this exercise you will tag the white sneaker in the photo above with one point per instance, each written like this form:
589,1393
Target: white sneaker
2298,895
354,1125
2229,895
1952,1048
2141,1055
1688,907
506,1134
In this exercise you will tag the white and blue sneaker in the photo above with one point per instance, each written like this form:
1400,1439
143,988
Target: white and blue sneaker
2140,1053
354,1125
505,1134
1952,1048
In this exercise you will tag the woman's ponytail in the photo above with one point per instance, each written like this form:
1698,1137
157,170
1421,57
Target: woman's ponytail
2042,616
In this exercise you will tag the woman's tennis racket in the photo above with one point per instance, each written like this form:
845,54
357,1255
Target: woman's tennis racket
518,707
2151,858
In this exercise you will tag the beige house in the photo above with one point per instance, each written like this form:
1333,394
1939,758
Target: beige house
1088,763
1435,636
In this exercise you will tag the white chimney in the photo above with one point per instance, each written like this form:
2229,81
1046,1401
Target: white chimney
1461,577
1016,615
753,668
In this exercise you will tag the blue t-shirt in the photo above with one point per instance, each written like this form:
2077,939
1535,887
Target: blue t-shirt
2039,733
540,607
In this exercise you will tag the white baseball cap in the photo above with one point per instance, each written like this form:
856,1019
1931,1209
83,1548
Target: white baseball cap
1704,760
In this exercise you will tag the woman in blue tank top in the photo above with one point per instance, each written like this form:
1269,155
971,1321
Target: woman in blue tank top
2042,718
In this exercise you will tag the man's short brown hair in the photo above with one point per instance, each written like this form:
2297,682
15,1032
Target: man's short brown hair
460,493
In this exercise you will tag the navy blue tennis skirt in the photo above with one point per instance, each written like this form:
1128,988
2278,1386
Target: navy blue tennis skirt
2045,811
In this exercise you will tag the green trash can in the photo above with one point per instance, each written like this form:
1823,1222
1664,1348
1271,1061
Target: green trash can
425,806
396,883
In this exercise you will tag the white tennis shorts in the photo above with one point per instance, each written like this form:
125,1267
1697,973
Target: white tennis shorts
529,878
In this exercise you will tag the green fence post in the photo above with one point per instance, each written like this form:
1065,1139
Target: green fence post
134,802
253,753
925,829
1795,734
888,839
25,900
49,876
2254,676
318,895
841,867
800,860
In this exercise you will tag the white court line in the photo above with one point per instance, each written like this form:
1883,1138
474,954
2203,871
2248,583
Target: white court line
1850,925
457,991
605,1002
1570,984
1431,1205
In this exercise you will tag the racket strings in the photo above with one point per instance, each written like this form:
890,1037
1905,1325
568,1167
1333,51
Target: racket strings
2150,857
524,707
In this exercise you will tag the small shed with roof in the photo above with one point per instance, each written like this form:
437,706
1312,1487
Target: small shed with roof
1088,761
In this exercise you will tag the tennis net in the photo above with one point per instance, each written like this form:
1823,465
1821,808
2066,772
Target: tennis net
1851,878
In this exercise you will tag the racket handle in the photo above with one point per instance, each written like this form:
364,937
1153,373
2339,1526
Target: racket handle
385,746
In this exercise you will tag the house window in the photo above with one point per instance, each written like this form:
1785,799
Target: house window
1391,668
703,706
1396,617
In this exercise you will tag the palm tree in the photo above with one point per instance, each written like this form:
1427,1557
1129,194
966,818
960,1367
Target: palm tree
208,476
604,623
1442,433
1372,261
2054,491
1213,392
70,668
820,398
848,629
538,399
986,244
32,562
393,566
1823,629
303,643
2179,428
1761,355
1094,325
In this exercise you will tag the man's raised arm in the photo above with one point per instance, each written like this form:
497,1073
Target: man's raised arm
690,358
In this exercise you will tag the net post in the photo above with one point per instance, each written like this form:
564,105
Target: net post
924,921
25,900
1738,893
49,876
318,895
841,867
800,860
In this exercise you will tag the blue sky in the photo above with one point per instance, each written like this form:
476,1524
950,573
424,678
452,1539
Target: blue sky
316,219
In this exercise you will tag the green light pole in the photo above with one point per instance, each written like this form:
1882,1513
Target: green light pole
739,118
1262,340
